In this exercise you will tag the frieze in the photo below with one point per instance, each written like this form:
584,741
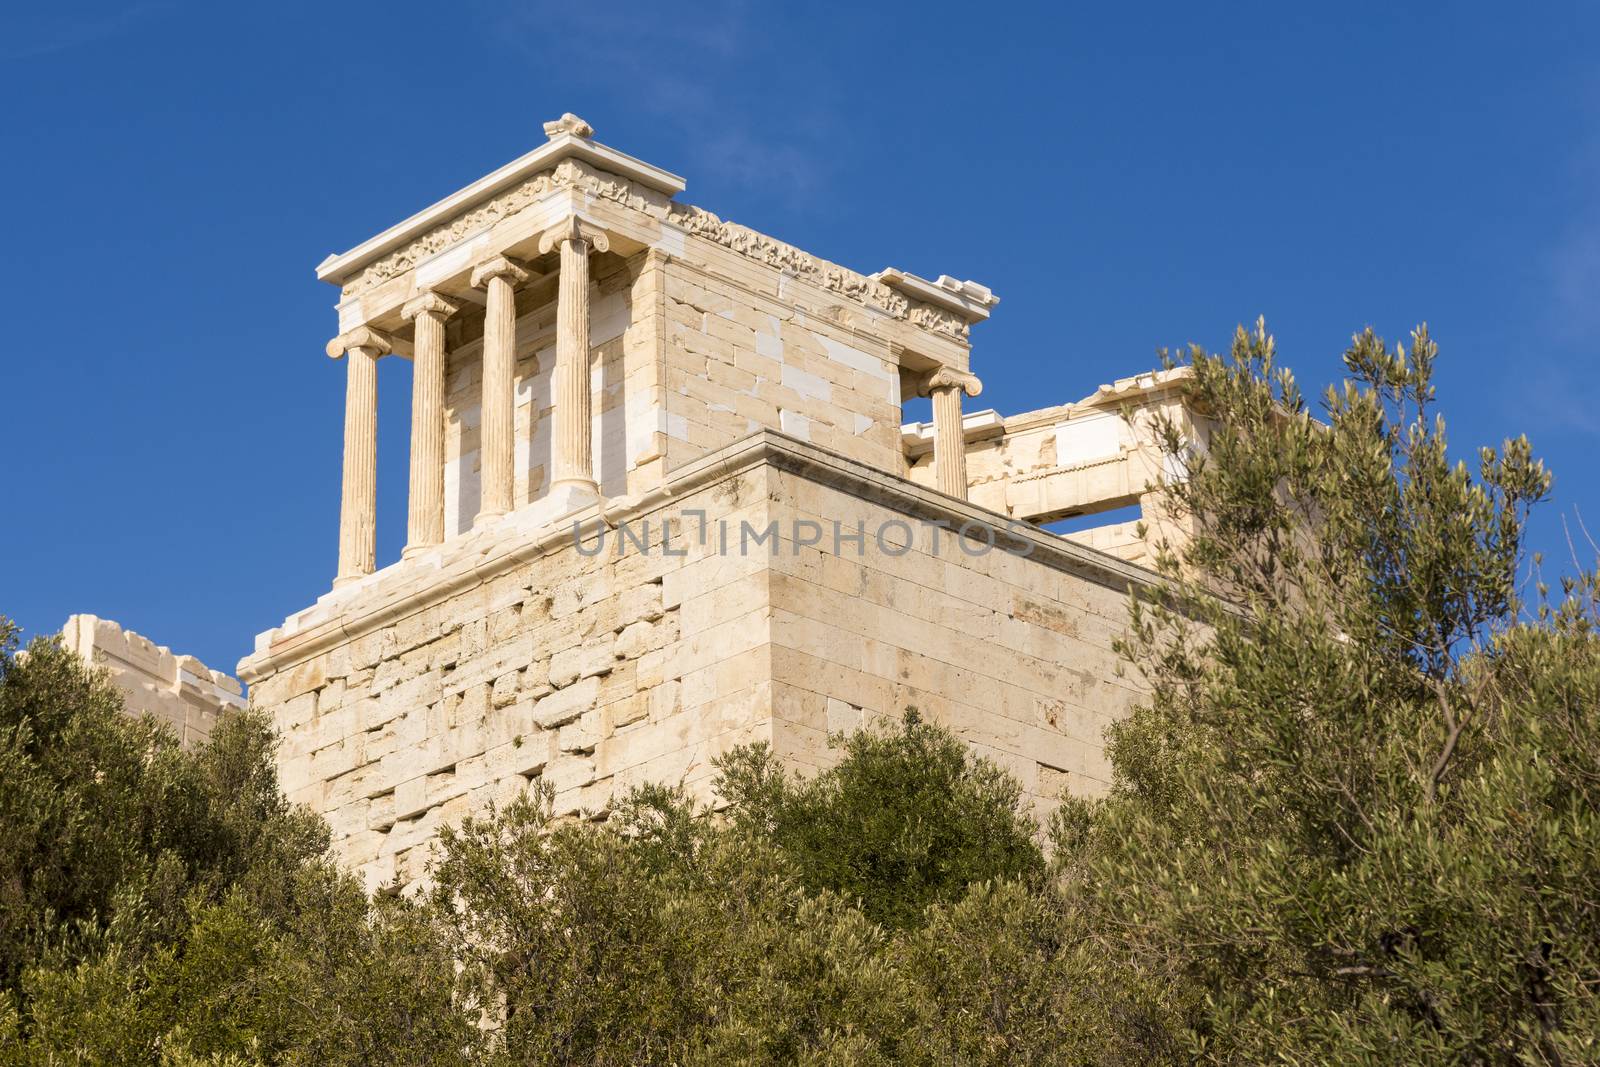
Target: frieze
775,253
939,320
568,174
571,174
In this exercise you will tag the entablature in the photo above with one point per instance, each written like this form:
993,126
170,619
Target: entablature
504,213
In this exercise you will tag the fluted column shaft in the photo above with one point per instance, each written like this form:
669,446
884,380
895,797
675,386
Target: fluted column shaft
949,444
499,346
574,455
358,501
573,462
945,387
425,514
500,276
358,510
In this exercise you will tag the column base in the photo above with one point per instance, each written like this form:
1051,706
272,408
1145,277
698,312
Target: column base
347,579
412,551
569,496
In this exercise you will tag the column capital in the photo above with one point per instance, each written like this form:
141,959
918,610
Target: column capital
575,229
429,303
950,378
500,267
360,337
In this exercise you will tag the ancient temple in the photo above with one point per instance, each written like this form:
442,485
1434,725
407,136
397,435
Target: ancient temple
663,501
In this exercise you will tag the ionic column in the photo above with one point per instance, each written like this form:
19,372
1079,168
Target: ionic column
945,386
425,516
500,276
358,501
573,462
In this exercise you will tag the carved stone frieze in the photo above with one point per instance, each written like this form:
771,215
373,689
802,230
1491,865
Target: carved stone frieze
568,174
571,174
774,253
939,320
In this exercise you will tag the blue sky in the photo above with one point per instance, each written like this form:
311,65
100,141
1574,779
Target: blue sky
1125,176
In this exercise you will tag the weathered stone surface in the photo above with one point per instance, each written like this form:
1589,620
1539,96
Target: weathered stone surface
179,690
1074,459
657,662
653,575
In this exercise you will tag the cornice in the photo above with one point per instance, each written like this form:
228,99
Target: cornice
568,174
578,154
830,276
968,299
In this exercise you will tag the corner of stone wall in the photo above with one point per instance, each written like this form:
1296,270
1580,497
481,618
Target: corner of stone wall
179,690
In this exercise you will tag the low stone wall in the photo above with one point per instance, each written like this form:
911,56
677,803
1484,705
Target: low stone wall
179,690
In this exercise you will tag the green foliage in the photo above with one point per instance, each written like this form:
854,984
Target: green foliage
671,934
1357,819
905,820
163,906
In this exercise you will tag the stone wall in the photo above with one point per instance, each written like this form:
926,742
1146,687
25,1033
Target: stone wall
747,351
519,654
1012,652
588,672
179,690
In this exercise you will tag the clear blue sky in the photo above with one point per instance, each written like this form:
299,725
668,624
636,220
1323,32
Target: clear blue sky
1126,176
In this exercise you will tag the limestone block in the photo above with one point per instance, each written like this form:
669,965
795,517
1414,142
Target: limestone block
622,713
506,689
525,755
566,704
337,759
635,640
843,718
582,735
295,712
489,665
569,772
594,656
535,681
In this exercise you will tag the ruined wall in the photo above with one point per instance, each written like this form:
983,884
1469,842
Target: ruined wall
1094,456
179,690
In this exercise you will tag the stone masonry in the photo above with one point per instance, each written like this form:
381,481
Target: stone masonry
663,502
179,690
